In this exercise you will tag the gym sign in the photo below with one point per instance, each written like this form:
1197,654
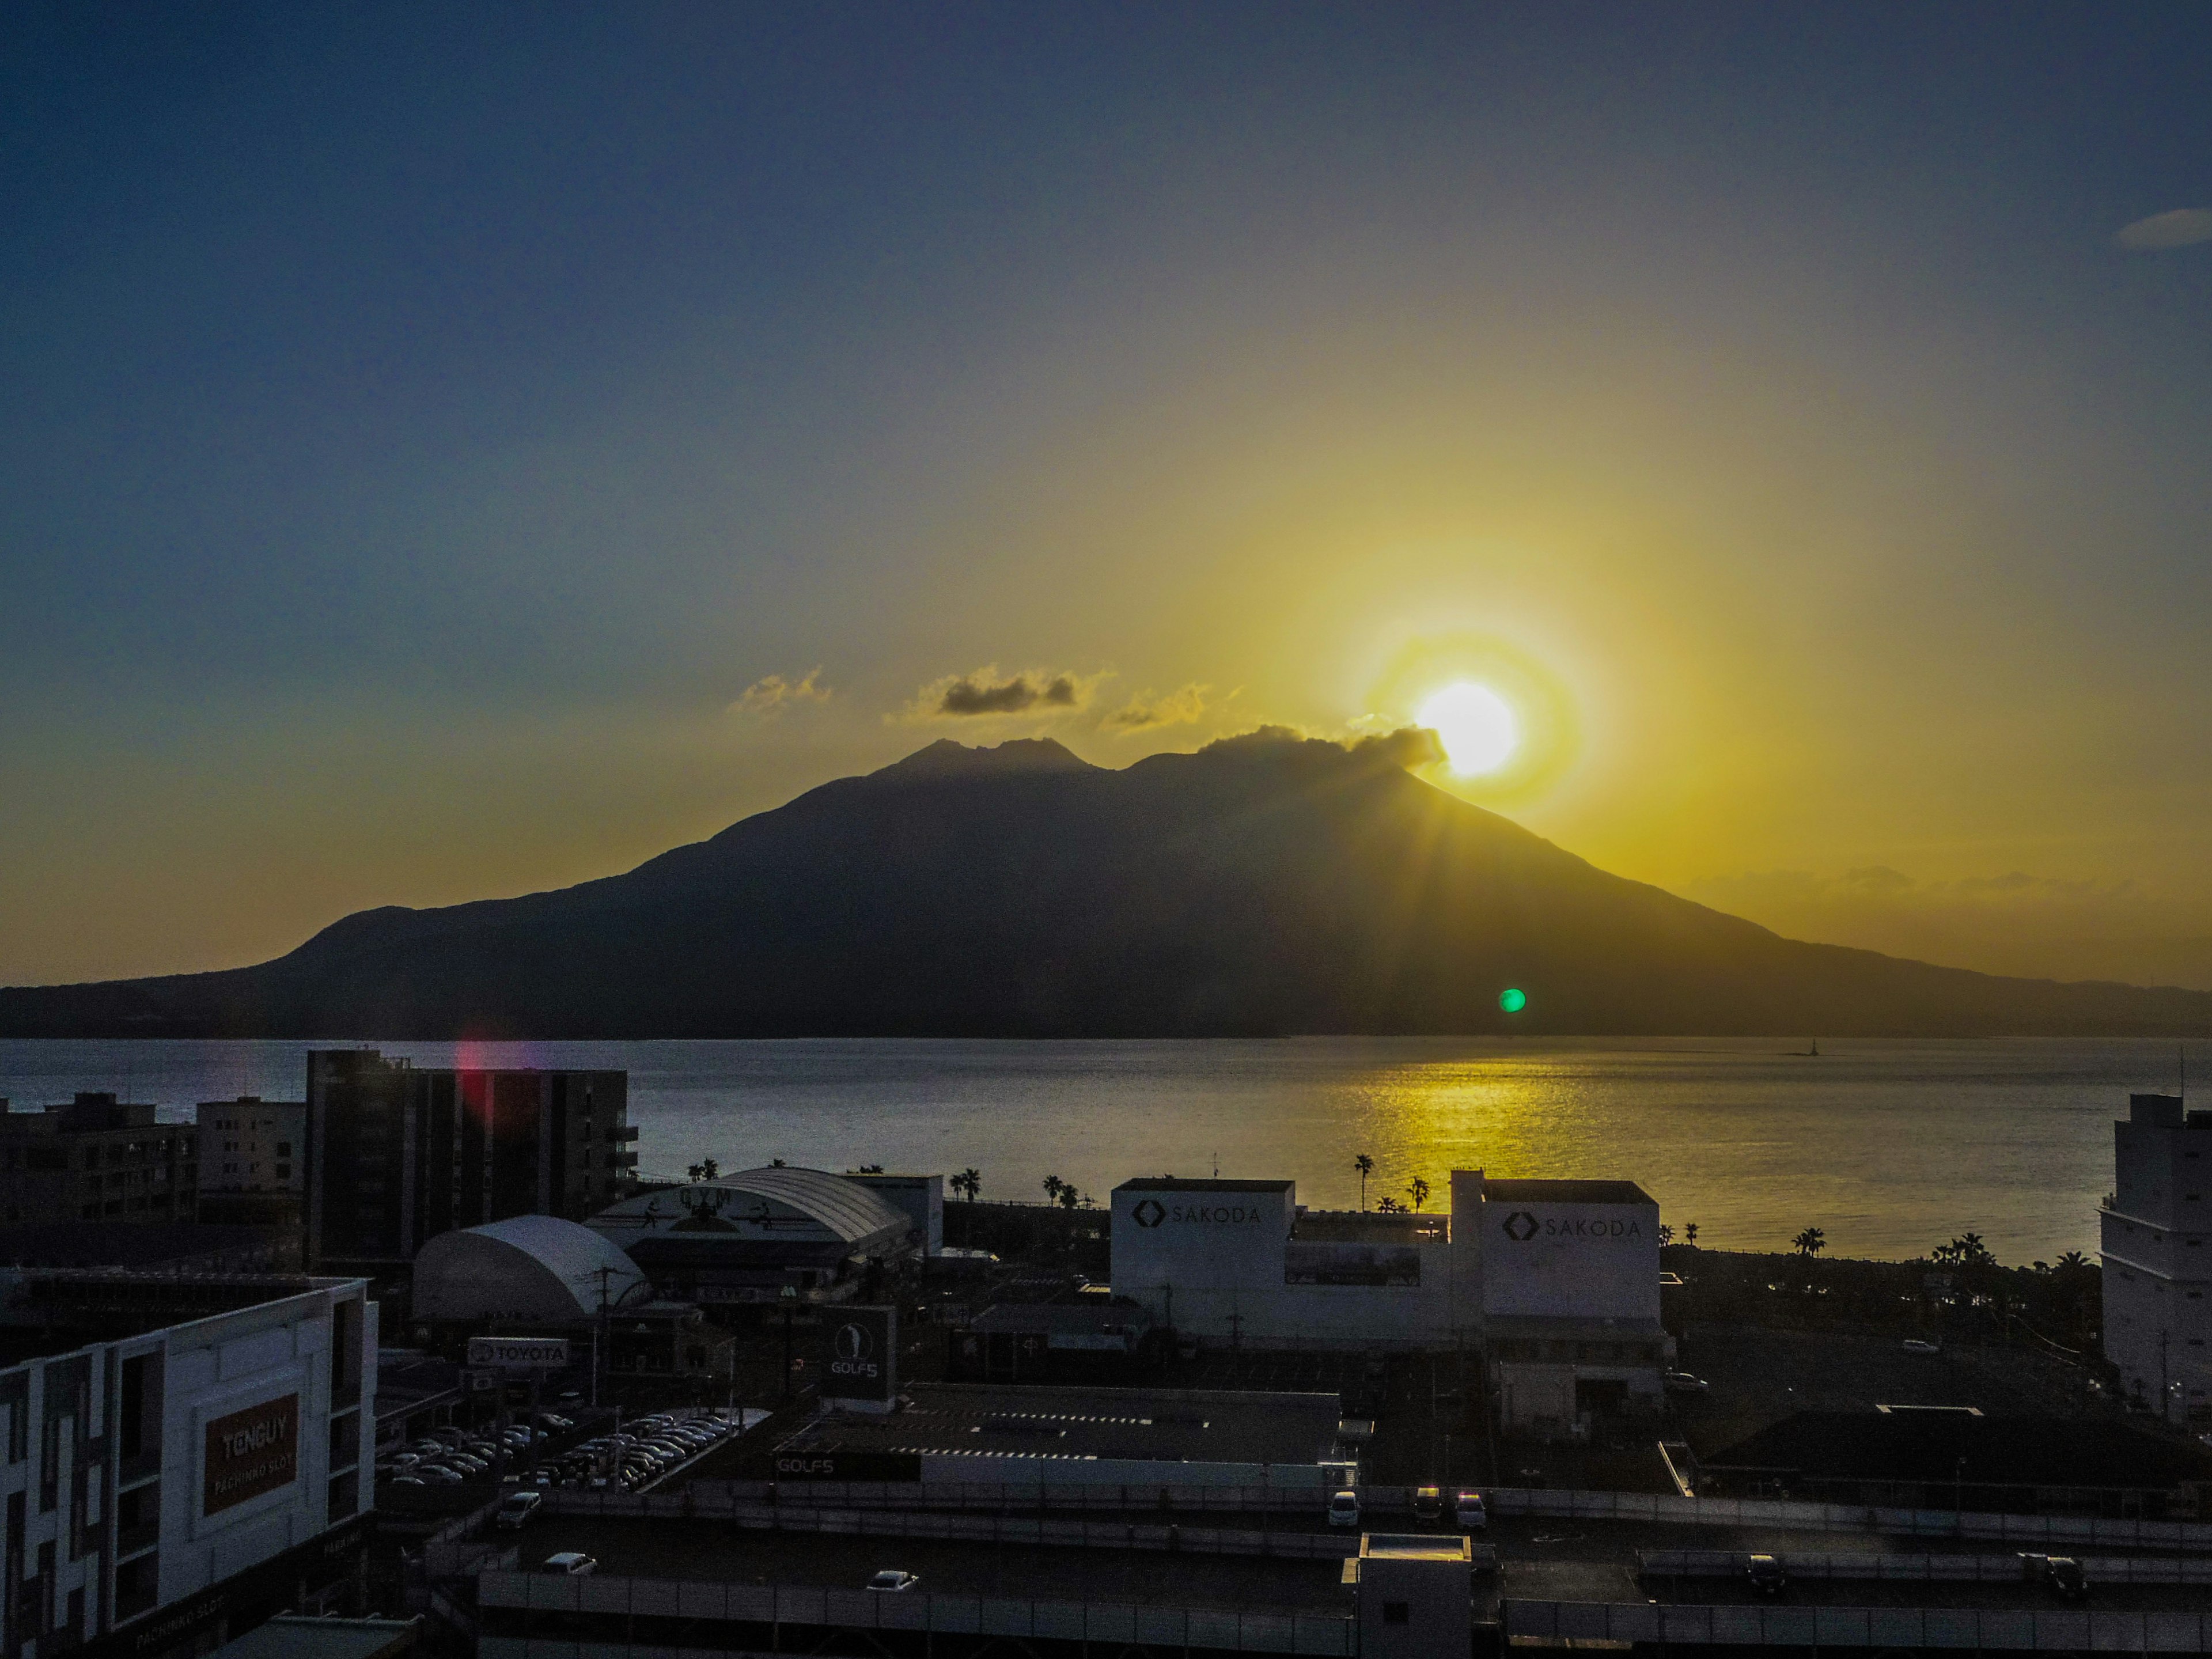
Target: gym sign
1520,1227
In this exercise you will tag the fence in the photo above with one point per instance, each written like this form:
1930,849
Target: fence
983,1528
2026,1530
1983,1629
1227,1629
1113,1497
1928,1569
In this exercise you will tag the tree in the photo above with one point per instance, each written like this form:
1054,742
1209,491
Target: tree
1666,1234
967,1184
1053,1184
1690,1233
1417,1190
1967,1250
1069,1198
2072,1261
1810,1243
1387,1204
705,1170
1366,1165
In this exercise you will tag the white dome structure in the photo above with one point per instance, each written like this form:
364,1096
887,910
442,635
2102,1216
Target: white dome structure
537,1270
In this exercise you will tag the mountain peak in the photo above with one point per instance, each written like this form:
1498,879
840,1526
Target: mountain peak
947,759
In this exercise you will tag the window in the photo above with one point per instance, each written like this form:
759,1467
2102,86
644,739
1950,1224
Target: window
283,1149
1397,1613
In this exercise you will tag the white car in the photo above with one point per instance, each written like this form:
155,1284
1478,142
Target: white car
891,1578
1470,1512
516,1509
1684,1382
1343,1508
569,1563
1914,1345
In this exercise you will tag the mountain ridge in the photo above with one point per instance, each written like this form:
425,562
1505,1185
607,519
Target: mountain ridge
1264,885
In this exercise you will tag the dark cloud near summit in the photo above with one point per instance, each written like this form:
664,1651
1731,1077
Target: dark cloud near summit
970,695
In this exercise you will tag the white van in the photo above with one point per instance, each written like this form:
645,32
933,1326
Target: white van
1343,1508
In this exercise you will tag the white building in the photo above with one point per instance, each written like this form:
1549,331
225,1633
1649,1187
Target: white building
160,1486
2157,1248
1557,1280
253,1146
528,1269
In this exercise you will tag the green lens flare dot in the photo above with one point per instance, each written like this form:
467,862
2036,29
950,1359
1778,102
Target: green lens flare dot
1513,1001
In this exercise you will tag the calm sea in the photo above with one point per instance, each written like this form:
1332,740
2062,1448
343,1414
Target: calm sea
1892,1147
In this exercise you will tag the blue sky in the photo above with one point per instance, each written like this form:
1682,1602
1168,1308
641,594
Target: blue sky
425,423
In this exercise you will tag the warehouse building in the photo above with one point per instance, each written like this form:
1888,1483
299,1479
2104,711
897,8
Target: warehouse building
739,1239
1557,1280
183,1476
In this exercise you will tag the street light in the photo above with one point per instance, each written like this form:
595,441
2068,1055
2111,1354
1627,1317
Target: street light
788,1295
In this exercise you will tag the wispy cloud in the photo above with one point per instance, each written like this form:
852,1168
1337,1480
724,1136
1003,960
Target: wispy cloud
2180,229
984,692
1184,708
766,698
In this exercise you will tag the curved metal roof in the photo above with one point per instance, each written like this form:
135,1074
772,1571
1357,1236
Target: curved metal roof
853,1212
534,1267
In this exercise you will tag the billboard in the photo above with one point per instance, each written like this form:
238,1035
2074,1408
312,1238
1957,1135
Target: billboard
251,1452
520,1353
860,1362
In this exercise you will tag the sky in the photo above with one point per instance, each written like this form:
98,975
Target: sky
451,452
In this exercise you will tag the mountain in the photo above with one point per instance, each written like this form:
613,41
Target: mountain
1264,885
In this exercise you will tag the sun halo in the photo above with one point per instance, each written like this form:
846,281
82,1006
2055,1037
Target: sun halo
1475,725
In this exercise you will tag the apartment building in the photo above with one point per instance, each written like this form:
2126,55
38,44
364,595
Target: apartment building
2157,1248
97,1158
253,1162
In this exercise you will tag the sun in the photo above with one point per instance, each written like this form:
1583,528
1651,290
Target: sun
1477,729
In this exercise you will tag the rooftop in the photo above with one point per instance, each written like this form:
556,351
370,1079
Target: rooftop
1566,1192
2004,1451
1195,1184
1414,1546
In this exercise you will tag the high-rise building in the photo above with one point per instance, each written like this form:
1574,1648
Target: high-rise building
97,1158
252,1163
2158,1257
398,1154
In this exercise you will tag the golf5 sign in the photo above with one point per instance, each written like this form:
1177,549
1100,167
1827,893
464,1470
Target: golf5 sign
860,1357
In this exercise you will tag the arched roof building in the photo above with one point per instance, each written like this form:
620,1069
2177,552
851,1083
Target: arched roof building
741,1238
537,1270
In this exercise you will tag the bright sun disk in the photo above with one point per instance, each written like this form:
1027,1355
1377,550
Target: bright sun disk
1476,728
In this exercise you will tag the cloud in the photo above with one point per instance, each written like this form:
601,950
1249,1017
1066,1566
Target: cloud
769,697
984,693
2013,922
2180,229
1409,746
1184,708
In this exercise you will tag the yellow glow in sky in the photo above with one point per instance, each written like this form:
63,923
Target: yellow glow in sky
1477,729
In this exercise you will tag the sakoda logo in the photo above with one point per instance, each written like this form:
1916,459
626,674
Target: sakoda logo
1520,1227
1150,1213
854,1345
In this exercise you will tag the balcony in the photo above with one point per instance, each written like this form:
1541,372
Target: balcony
622,1159
623,1132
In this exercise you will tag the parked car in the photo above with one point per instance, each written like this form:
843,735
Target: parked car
1470,1512
438,1474
569,1563
892,1578
1766,1574
515,1510
1683,1383
1428,1504
1343,1508
1915,1344
2062,1574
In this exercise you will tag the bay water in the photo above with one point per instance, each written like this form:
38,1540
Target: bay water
1890,1147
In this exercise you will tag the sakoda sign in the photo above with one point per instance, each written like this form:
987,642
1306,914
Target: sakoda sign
1150,1213
251,1452
1521,1227
860,1353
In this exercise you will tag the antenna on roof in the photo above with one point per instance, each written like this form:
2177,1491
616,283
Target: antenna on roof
1217,1166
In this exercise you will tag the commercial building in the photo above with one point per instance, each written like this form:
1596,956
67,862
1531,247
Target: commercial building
97,1158
738,1239
396,1154
177,1479
529,1270
253,1162
921,1196
2157,1248
1558,1281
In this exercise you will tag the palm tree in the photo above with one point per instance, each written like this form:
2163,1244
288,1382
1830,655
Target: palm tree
1366,1165
705,1170
1690,1233
1811,1241
2071,1260
1387,1204
1417,1190
1069,1198
1666,1234
1053,1184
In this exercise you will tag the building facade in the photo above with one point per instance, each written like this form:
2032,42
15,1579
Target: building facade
97,1158
158,1486
253,1159
396,1155
2157,1249
1557,1281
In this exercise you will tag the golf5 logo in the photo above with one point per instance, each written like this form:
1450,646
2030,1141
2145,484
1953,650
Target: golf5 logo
854,1345
1520,1227
1149,1213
